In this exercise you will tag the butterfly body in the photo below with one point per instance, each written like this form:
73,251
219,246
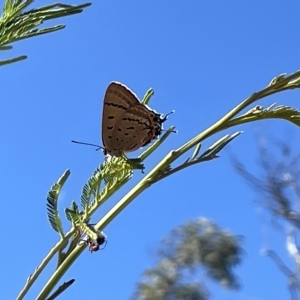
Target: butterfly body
127,124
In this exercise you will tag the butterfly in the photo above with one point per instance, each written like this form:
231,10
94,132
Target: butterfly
127,124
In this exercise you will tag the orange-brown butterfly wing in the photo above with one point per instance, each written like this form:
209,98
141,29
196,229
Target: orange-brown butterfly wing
127,125
135,130
118,98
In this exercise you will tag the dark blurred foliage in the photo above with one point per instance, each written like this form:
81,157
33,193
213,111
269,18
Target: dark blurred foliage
196,247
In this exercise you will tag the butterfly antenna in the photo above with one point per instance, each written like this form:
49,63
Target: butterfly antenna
172,112
88,144
166,117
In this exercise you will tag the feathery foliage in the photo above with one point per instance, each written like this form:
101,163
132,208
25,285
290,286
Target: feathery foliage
52,199
17,24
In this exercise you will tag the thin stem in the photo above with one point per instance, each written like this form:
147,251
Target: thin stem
12,60
79,249
183,166
221,124
152,177
31,279
155,174
61,289
60,271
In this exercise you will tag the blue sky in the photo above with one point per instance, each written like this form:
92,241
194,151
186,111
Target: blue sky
202,58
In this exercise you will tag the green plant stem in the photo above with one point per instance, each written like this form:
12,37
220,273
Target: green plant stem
60,271
155,174
222,123
156,144
12,60
152,176
31,279
183,166
61,289
78,250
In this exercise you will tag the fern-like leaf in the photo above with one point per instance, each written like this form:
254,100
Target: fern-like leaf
73,209
90,189
115,174
282,112
78,222
52,199
259,113
16,24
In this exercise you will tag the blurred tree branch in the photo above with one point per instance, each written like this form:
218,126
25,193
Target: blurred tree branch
278,190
